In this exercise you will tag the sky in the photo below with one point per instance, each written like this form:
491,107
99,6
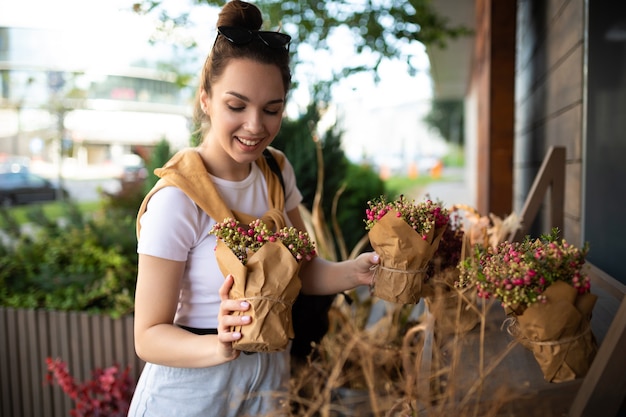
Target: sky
105,33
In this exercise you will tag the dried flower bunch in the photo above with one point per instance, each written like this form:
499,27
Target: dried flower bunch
448,254
244,240
517,273
422,217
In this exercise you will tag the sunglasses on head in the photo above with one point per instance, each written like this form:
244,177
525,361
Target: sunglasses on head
241,36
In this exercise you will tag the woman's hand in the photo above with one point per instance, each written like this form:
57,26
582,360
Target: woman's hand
226,320
364,267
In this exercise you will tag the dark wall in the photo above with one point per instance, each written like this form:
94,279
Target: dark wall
605,156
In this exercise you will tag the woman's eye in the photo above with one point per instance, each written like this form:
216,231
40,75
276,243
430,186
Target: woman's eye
271,112
235,108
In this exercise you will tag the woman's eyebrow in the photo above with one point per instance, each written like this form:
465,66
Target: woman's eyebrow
246,99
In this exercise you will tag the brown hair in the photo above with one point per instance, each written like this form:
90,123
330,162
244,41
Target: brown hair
245,15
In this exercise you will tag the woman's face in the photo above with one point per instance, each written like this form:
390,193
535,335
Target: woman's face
245,110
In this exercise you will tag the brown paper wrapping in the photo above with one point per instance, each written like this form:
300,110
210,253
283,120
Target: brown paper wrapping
404,255
558,332
269,282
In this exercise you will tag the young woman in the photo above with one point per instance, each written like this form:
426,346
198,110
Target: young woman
183,315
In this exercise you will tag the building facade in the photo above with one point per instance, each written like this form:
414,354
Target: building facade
65,112
535,75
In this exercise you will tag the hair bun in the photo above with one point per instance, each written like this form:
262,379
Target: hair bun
241,14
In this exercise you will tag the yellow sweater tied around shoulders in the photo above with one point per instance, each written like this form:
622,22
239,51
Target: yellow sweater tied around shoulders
186,171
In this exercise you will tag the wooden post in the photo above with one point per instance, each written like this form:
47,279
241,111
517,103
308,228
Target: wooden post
551,175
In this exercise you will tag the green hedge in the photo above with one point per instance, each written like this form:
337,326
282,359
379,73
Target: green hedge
78,261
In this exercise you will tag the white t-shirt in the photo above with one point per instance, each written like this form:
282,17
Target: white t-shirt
174,227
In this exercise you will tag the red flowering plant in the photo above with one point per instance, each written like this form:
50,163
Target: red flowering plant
108,393
264,265
544,290
405,234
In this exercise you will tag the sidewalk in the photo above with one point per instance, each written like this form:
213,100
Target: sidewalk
450,192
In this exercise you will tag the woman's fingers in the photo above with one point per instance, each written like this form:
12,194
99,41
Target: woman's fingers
229,323
228,307
226,286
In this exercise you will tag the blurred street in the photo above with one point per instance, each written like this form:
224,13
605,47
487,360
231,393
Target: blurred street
452,189
84,183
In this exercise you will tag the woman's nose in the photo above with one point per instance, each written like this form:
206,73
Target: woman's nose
254,122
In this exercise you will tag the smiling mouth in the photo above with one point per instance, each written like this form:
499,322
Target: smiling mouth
248,142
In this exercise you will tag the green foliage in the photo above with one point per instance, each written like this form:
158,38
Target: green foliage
362,183
382,29
455,157
296,139
159,156
81,263
349,184
66,259
446,117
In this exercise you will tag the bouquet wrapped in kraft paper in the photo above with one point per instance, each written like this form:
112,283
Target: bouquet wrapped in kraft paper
547,297
265,267
558,332
405,235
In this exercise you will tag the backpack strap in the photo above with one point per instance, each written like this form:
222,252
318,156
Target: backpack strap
273,164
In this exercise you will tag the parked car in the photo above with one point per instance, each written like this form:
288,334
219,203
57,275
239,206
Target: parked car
24,187
11,163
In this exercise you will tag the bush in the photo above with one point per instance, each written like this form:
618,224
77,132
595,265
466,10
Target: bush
362,184
86,263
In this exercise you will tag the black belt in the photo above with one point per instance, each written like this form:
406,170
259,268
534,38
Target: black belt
195,330
203,332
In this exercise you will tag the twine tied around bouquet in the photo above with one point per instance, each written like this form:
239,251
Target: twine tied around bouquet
271,299
376,268
512,328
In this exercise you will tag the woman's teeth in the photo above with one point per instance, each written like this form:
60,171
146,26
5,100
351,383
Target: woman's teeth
247,142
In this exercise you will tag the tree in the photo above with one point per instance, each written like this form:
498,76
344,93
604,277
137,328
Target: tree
446,117
381,28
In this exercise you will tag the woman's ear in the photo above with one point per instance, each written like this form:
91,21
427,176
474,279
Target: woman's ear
205,101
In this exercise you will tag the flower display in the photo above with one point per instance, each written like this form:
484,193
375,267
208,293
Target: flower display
546,295
405,234
422,217
245,240
517,273
264,266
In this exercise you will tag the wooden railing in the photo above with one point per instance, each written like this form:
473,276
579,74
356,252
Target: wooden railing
551,176
84,341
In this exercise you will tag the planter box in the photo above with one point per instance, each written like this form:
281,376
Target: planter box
84,341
